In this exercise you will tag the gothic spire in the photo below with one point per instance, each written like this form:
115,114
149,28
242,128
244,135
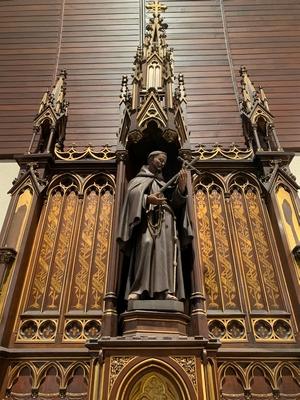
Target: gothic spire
258,122
153,97
50,122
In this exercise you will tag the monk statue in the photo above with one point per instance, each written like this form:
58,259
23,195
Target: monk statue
154,226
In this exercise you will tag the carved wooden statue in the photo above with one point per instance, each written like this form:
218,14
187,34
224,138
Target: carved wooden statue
151,225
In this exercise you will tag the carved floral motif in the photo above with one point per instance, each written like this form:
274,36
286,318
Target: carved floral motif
207,250
223,250
116,366
188,364
102,247
46,251
85,249
62,250
247,251
263,250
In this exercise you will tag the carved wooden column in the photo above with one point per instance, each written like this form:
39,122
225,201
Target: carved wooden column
198,307
259,148
110,317
50,139
36,130
274,136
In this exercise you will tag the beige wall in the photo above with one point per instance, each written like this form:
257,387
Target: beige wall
8,172
295,167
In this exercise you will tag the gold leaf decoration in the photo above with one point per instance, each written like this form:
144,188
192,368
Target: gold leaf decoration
102,247
116,366
188,364
72,154
85,250
263,250
61,254
247,252
223,251
207,250
46,251
217,151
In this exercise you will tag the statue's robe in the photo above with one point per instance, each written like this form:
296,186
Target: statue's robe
155,260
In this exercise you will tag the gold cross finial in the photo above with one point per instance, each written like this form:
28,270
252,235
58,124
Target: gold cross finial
156,7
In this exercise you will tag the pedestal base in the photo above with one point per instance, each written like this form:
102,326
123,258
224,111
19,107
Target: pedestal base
155,305
154,323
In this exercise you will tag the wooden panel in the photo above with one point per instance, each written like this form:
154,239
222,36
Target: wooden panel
96,42
98,45
196,33
28,64
264,35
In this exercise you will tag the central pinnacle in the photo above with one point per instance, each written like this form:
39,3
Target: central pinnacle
156,7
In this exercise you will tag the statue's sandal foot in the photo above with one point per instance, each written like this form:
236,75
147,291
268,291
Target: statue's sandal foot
134,296
170,296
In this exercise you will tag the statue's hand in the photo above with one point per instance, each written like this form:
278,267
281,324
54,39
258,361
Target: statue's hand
156,198
182,180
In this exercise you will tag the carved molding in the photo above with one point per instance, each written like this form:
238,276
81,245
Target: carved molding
80,330
228,329
73,154
217,151
188,364
273,330
117,363
37,330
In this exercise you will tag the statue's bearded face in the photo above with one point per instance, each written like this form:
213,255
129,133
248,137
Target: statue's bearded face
157,162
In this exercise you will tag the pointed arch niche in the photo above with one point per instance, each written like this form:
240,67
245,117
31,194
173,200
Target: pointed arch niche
151,140
153,379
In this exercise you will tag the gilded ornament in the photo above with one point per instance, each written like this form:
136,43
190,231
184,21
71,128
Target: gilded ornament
79,330
46,251
233,153
116,366
228,329
62,250
263,250
247,251
37,330
207,253
272,330
85,249
72,154
102,247
188,364
222,250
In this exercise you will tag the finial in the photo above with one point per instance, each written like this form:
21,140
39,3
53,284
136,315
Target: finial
180,90
156,7
124,89
243,71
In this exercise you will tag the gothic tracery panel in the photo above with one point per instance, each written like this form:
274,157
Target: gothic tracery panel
63,379
259,379
50,257
215,248
256,248
239,258
68,264
87,287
